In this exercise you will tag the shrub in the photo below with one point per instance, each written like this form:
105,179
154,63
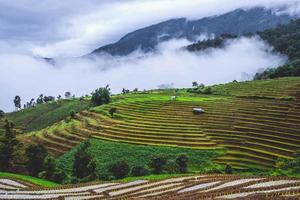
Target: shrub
59,176
287,98
288,167
157,164
72,114
182,161
207,90
171,167
112,111
120,169
139,171
228,169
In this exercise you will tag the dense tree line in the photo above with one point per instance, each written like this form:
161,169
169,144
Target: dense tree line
41,99
218,42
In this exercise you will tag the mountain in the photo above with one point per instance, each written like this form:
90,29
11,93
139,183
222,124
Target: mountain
285,39
237,22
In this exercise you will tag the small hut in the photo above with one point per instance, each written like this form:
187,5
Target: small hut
173,98
198,111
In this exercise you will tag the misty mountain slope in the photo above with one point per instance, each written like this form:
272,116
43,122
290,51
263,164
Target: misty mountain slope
284,39
236,22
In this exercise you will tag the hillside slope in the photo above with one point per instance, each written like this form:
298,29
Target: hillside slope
236,22
46,114
284,39
256,129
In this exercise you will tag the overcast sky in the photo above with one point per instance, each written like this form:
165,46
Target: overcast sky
53,28
71,28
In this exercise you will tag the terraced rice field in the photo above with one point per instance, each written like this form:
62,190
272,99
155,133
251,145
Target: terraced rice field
191,187
255,132
273,88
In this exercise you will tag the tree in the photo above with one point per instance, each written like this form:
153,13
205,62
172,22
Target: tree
7,146
36,154
228,169
51,171
31,103
58,97
195,84
125,91
67,95
112,111
40,99
2,114
101,96
72,114
201,85
182,161
207,90
84,166
139,171
48,99
17,102
157,163
120,169
49,168
135,90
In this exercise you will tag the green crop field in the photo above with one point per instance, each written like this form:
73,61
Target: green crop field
255,122
106,153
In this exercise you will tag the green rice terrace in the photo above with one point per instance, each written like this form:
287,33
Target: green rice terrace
254,122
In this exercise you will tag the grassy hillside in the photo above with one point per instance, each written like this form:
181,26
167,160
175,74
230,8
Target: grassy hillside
29,179
106,153
46,114
280,88
256,130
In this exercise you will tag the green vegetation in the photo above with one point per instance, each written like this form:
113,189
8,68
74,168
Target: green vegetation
218,42
8,144
36,155
292,68
84,164
153,177
284,39
282,88
246,126
288,167
108,153
46,114
33,180
120,169
101,96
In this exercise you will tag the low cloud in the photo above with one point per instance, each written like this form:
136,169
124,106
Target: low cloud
28,76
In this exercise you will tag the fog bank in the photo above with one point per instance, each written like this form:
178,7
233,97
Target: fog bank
28,76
